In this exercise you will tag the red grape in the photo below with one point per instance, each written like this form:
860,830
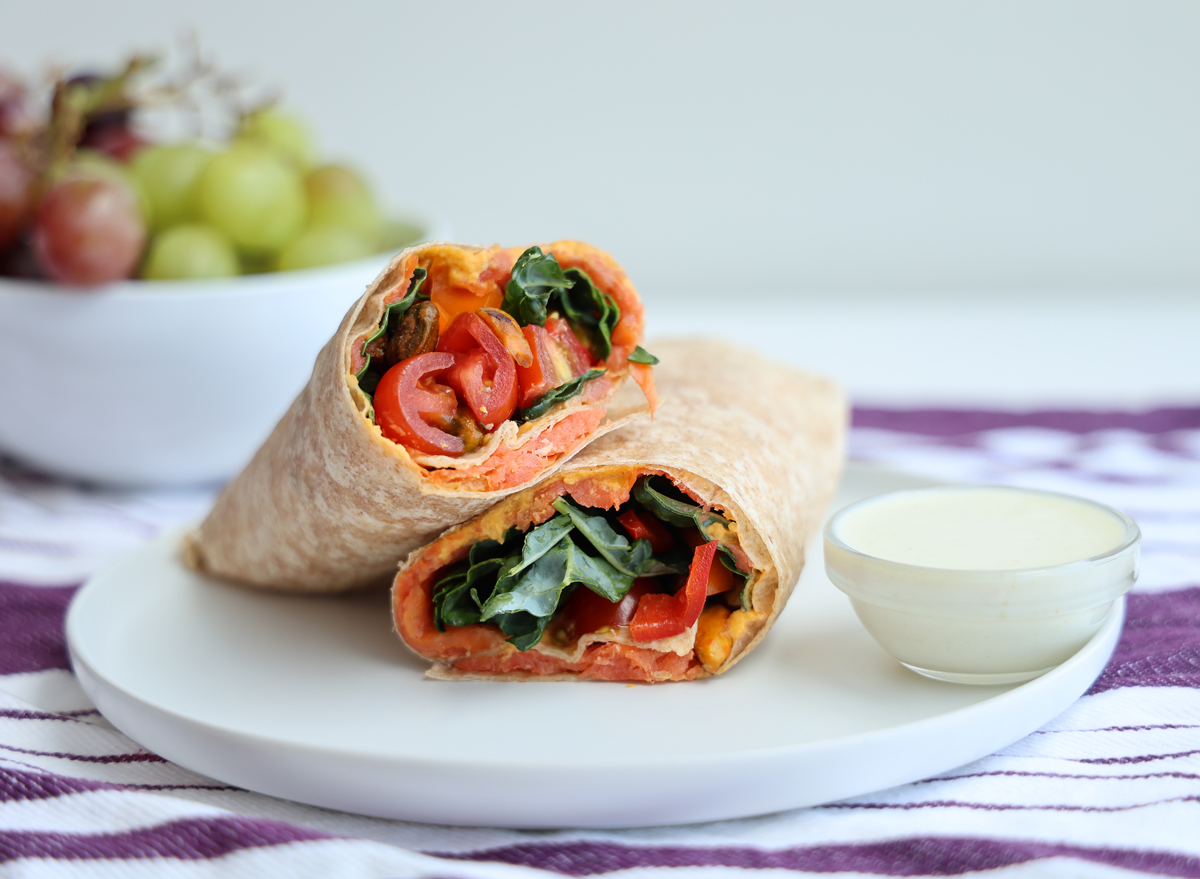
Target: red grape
116,140
16,181
89,230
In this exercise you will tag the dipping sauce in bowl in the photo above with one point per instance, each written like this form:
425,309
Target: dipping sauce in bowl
982,585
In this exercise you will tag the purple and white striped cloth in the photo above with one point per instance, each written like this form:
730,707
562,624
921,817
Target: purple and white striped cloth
1110,787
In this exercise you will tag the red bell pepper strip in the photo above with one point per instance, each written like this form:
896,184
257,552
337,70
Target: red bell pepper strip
662,616
585,611
638,526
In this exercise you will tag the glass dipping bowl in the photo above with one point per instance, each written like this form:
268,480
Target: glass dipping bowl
981,584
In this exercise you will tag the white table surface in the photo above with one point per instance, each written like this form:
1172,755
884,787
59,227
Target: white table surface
1057,349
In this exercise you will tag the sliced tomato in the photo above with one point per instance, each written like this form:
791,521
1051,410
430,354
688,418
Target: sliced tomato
578,358
638,525
509,332
585,611
409,398
662,616
558,357
540,376
485,375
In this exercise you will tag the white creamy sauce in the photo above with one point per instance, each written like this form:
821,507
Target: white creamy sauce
982,529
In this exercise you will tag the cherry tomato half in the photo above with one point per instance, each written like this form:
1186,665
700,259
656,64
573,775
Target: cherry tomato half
579,358
540,376
408,398
558,356
485,374
585,611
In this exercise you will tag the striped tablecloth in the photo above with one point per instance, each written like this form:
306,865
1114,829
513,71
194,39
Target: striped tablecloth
1110,787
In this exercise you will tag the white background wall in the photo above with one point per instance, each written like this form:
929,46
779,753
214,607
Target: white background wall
960,201
831,145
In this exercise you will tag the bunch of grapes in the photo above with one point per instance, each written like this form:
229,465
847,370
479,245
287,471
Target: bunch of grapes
86,199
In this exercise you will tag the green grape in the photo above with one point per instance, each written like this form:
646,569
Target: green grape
190,251
168,176
254,197
281,132
339,197
322,246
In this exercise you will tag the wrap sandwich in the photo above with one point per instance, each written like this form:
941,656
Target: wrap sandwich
460,376
662,552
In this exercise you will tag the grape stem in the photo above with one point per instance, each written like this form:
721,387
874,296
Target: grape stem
70,108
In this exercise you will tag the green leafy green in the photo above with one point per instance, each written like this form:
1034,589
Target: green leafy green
541,540
725,554
535,276
664,503
522,605
536,591
539,285
629,559
519,583
587,306
523,629
565,391
641,355
368,378
670,509
676,560
455,598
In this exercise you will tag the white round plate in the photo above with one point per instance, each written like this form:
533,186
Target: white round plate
317,700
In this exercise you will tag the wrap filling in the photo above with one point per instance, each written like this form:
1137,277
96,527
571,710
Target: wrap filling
655,573
463,349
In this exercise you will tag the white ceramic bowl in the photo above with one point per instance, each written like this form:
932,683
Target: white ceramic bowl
162,382
905,561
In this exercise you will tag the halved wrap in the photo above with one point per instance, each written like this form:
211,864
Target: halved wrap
463,374
664,551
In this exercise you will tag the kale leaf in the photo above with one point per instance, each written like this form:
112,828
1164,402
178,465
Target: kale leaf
523,629
535,276
587,306
566,391
641,355
456,596
671,510
456,600
677,511
519,583
368,378
539,285
536,591
629,559
668,504
541,540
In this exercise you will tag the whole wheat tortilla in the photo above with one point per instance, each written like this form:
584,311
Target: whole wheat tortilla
328,503
759,441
